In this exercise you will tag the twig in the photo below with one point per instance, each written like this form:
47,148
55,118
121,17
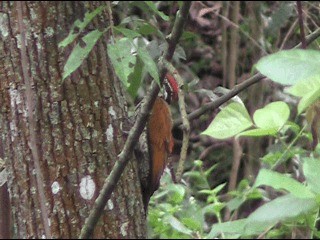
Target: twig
185,122
238,88
310,38
214,104
302,35
135,132
290,31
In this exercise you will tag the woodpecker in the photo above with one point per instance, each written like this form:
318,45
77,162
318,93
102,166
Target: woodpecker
156,142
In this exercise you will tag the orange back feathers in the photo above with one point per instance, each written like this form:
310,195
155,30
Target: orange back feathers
160,140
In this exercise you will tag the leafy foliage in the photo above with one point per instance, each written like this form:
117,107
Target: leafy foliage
79,53
288,67
297,202
232,120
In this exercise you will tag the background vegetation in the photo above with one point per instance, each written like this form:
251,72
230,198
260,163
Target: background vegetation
236,183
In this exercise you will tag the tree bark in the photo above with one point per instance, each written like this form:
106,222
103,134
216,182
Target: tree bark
61,138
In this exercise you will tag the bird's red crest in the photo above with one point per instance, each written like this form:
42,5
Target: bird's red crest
173,85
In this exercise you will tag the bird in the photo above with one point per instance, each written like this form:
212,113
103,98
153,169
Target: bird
156,142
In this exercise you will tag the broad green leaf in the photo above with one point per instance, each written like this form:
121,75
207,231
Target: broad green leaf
149,65
280,181
235,203
135,78
122,59
177,225
311,170
307,100
79,25
259,132
304,87
281,209
127,32
79,53
290,66
273,115
192,223
233,229
309,90
147,28
153,7
231,120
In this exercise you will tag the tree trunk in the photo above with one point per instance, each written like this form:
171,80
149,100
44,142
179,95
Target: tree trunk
60,139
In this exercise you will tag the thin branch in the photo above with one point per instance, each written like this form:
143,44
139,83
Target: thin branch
214,104
238,88
135,132
185,122
302,35
290,31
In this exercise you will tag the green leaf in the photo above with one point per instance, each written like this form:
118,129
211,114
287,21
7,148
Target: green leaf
304,87
233,229
308,89
273,115
122,59
177,192
214,208
198,179
311,170
177,225
135,78
259,132
127,32
80,26
79,53
280,181
280,209
147,28
192,223
231,120
290,66
153,7
218,188
307,100
149,65
235,203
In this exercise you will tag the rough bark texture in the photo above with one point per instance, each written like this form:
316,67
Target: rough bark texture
77,126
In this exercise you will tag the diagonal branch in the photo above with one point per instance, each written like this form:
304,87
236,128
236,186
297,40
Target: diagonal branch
135,132
238,88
